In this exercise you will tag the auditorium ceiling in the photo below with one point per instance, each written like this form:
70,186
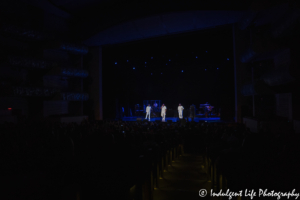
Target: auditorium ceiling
106,22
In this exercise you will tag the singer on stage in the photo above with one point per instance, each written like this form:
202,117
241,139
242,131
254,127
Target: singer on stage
148,110
180,110
163,112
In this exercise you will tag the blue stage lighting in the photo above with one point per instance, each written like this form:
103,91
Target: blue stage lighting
127,60
166,63
206,51
133,67
169,59
151,73
145,62
151,57
205,69
196,56
116,63
182,71
227,58
217,68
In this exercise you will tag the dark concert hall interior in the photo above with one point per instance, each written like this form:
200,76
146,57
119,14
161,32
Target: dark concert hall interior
149,100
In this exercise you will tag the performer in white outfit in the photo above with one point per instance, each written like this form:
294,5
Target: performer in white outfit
180,110
148,111
163,112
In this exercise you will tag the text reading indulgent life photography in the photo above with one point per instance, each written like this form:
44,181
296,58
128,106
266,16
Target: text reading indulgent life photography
250,193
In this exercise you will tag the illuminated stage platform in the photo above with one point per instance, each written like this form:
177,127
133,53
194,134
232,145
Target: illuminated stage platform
198,118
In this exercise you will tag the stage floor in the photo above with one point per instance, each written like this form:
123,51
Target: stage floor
175,119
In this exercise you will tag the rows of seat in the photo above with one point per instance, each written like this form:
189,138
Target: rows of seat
254,161
98,160
93,159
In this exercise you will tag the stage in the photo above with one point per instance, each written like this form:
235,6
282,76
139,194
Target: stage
197,118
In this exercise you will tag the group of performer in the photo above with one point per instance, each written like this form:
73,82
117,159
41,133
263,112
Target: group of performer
208,111
164,111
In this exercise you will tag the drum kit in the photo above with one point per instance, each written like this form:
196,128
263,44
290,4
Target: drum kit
206,109
155,110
